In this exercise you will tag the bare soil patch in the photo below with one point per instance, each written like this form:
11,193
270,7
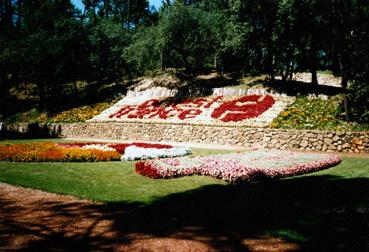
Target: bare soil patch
33,220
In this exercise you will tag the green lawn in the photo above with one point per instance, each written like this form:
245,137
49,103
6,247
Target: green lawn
101,181
322,211
117,181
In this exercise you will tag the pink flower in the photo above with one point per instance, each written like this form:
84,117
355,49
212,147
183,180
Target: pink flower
240,166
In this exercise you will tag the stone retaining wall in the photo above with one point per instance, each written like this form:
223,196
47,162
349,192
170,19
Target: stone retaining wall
311,140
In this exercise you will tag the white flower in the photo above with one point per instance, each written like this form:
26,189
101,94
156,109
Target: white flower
102,147
138,153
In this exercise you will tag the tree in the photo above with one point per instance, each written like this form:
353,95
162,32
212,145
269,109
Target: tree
358,64
285,38
145,52
186,30
131,13
49,48
107,42
344,26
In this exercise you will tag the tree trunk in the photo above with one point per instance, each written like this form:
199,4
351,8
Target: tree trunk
9,13
187,65
75,87
106,7
313,63
161,60
346,105
83,15
344,82
20,13
314,76
270,64
42,94
284,76
128,16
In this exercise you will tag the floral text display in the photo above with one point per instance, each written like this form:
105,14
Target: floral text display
249,110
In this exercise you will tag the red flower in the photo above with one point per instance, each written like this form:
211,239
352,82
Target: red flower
190,113
254,106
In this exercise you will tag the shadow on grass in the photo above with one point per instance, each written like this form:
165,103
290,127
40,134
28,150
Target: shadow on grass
318,213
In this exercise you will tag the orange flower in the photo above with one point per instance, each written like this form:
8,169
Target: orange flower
46,152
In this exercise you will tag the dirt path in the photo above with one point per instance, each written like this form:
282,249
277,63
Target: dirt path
33,220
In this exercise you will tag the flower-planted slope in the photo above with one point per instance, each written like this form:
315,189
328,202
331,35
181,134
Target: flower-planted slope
240,166
250,110
86,152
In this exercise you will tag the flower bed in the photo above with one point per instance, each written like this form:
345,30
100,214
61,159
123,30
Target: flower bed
137,153
250,110
240,166
120,148
78,152
50,152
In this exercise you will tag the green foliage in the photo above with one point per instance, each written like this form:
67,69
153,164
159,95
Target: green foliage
144,53
359,89
315,113
186,30
107,42
359,93
49,49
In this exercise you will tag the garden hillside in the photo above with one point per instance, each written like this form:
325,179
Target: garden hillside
61,63
208,99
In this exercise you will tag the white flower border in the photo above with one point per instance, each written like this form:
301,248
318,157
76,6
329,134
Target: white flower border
102,147
138,153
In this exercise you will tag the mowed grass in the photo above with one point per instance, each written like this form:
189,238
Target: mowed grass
103,181
118,181
100,181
